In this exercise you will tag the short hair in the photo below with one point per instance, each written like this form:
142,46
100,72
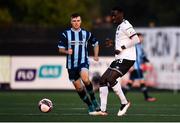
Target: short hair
119,9
74,15
139,34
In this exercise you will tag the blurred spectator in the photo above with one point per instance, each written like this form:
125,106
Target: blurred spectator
107,22
152,24
103,22
109,42
97,23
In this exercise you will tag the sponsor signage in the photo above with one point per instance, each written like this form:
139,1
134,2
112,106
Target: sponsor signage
50,71
25,75
39,73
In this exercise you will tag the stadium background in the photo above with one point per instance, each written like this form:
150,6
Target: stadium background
28,40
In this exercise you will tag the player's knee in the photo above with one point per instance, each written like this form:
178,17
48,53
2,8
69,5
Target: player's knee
112,81
78,86
85,80
79,89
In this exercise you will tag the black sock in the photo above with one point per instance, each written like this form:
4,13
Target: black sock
127,88
90,91
129,85
144,90
84,97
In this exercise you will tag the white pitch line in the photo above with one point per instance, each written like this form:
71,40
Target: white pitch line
83,114
30,114
161,115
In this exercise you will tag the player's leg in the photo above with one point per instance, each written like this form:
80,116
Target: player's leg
144,90
118,69
103,90
116,86
132,77
81,91
128,86
75,78
84,74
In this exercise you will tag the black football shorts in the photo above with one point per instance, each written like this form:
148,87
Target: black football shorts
121,65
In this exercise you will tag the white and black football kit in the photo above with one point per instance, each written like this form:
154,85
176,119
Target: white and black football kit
124,43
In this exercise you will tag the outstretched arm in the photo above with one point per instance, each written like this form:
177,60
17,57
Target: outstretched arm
96,52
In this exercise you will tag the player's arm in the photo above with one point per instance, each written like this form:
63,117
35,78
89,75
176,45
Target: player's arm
64,51
95,44
134,40
96,52
62,45
131,33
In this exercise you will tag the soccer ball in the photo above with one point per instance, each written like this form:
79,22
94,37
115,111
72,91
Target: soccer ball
45,105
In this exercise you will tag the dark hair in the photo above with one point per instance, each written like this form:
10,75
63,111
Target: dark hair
139,34
119,9
74,15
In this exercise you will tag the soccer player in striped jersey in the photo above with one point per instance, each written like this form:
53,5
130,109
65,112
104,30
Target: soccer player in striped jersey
125,56
136,74
73,42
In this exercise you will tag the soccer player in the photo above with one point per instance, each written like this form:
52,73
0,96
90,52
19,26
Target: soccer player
125,56
136,75
73,42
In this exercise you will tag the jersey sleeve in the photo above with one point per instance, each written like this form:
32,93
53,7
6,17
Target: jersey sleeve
93,40
129,30
62,41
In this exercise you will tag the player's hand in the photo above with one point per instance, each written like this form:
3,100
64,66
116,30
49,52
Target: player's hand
70,51
117,52
131,69
96,58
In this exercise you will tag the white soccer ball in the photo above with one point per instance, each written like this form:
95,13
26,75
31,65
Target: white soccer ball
45,105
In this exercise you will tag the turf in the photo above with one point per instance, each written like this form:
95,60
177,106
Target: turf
22,106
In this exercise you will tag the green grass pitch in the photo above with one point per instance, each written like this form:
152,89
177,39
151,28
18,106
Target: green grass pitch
22,106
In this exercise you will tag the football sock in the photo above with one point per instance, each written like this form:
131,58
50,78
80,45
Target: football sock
127,88
90,91
144,90
118,90
129,85
84,97
103,97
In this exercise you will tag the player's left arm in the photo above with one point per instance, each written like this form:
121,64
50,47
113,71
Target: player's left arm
95,44
96,52
131,33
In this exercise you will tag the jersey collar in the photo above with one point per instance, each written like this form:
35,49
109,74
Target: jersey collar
76,30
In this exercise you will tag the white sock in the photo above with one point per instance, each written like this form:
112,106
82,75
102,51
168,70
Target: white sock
103,97
118,90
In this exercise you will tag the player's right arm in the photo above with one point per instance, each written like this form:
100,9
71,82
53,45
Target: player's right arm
95,44
64,51
63,45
